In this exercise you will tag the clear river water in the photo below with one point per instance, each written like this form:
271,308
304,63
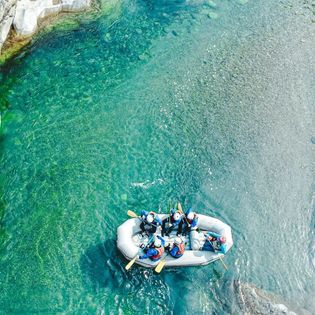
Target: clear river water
139,103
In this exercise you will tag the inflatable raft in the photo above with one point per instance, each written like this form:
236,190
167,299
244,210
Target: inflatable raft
130,240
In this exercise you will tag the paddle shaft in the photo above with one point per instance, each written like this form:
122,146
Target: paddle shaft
179,206
133,215
225,266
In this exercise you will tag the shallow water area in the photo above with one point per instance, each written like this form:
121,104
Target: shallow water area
206,102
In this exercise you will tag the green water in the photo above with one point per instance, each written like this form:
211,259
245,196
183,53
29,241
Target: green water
208,103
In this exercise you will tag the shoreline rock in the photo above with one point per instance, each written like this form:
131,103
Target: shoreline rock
7,13
22,17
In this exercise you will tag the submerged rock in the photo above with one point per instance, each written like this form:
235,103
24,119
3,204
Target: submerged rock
124,197
211,4
212,15
253,300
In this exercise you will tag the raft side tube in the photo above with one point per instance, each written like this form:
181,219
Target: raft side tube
129,249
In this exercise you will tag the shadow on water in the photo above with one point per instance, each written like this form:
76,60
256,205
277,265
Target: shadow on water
103,269
100,265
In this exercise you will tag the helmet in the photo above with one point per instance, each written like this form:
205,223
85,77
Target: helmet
150,218
157,242
191,215
222,239
176,216
178,240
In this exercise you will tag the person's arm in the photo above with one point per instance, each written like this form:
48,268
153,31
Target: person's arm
188,211
194,223
150,252
216,235
158,220
223,248
162,240
174,251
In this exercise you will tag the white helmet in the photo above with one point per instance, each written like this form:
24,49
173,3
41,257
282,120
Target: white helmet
157,242
191,215
150,218
178,240
176,216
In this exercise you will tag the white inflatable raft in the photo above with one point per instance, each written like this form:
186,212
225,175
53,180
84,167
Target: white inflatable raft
129,241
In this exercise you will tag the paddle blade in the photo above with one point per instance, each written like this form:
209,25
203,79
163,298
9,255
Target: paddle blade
131,262
160,266
179,207
132,214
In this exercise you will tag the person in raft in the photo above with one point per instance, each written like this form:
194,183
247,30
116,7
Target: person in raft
173,221
215,243
192,219
151,219
155,250
178,248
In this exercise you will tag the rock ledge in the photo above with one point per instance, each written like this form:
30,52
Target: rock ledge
23,15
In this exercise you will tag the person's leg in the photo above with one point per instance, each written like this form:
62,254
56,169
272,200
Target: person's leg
152,229
180,228
142,227
163,226
169,230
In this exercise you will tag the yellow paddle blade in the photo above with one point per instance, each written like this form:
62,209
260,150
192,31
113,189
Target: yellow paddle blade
132,214
179,207
131,262
160,266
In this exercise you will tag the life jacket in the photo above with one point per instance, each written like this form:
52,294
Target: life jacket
159,254
180,251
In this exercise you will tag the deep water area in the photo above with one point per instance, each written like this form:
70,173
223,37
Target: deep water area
210,103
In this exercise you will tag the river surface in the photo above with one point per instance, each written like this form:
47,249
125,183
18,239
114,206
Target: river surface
151,102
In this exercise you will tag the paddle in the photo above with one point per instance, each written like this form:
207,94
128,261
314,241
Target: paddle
219,256
225,266
131,262
160,265
132,214
179,206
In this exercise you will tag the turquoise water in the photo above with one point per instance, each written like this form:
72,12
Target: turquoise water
208,103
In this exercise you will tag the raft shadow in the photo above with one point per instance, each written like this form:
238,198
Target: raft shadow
102,266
